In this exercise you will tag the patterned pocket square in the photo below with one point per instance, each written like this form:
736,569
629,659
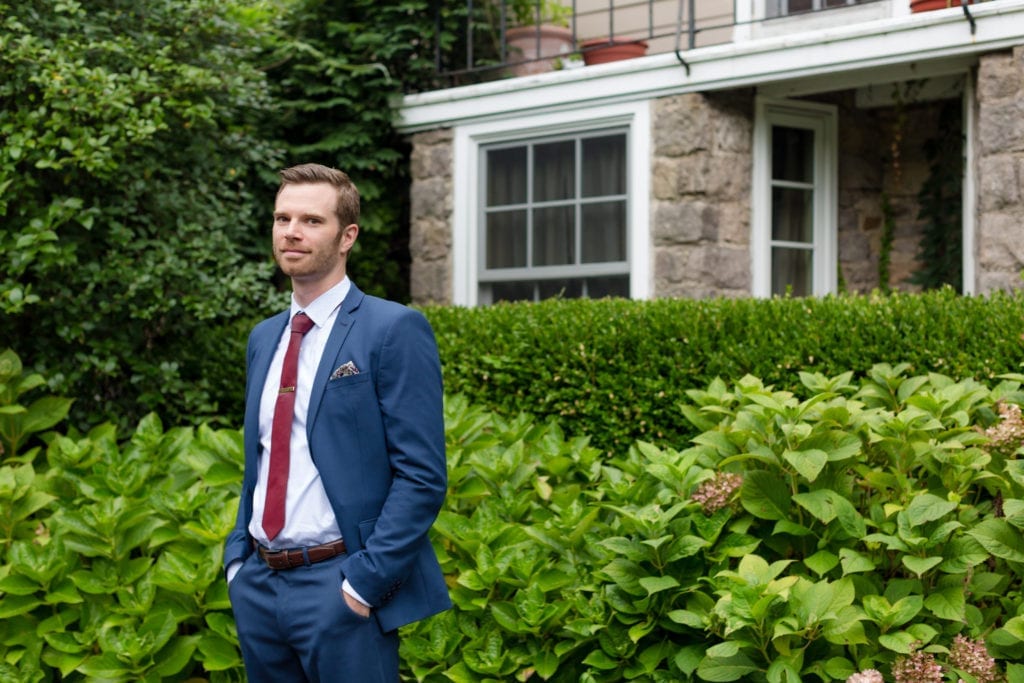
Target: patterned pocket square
345,370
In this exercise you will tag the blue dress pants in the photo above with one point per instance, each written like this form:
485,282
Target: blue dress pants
294,627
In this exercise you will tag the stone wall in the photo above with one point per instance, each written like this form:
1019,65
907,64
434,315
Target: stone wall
700,186
430,235
999,165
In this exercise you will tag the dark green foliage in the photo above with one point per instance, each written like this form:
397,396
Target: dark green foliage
334,73
940,252
616,370
133,201
138,148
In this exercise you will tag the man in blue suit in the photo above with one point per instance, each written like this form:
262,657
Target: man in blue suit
344,460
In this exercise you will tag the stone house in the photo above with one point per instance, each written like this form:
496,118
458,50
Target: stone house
835,146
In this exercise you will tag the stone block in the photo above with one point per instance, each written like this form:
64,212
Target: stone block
682,125
1001,127
727,267
999,76
430,282
683,222
431,161
734,223
431,198
430,239
665,178
999,181
1000,243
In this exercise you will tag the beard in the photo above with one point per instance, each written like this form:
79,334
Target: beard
317,262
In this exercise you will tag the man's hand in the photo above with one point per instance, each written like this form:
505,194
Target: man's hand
356,606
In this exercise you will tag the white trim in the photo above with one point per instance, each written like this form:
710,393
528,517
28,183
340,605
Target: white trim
635,116
837,53
969,202
822,120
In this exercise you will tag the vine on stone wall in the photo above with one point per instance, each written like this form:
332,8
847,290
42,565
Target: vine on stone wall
941,200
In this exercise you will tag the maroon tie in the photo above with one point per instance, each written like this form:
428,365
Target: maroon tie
281,431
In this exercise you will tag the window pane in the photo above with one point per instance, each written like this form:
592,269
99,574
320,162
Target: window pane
553,243
800,6
616,285
506,239
792,215
511,291
604,166
565,288
604,232
506,176
792,154
554,166
791,271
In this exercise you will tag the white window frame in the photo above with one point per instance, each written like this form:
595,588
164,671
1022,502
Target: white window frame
634,117
821,119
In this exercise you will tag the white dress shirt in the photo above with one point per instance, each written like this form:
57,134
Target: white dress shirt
308,519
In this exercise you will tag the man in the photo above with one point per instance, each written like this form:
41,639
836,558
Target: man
344,460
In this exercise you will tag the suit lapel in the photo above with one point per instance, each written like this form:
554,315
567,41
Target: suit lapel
342,326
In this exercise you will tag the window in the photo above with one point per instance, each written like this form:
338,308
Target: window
794,206
554,218
782,8
547,206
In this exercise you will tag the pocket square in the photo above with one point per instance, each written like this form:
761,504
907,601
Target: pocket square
345,370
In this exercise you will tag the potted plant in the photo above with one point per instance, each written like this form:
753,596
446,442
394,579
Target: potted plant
538,34
603,50
928,5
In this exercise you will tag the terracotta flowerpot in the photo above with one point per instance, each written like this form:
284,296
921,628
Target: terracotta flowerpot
928,5
522,41
603,50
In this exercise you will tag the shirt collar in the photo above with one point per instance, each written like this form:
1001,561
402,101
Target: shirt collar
324,305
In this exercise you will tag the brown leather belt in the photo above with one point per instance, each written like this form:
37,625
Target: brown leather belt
297,557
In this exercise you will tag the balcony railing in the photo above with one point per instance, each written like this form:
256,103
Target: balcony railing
479,48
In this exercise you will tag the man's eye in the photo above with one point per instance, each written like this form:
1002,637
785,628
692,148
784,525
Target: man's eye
281,219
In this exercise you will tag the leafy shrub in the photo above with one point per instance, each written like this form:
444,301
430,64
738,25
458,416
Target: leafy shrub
111,550
846,527
616,370
877,525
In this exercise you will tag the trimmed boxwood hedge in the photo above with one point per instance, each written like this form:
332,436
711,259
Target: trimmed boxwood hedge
617,369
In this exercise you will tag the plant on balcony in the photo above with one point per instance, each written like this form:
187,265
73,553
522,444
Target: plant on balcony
538,34
522,13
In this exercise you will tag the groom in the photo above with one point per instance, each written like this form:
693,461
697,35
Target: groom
344,460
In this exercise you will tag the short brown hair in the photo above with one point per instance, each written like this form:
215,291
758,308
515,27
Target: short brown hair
347,209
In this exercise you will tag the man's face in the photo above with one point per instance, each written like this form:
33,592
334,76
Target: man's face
309,243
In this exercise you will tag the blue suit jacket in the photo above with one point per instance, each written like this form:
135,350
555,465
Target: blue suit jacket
377,439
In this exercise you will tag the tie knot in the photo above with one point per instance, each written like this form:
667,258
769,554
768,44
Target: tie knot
302,323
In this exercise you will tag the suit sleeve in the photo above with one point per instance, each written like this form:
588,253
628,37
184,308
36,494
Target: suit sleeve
410,396
237,545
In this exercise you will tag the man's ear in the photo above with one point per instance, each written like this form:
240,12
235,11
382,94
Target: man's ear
349,233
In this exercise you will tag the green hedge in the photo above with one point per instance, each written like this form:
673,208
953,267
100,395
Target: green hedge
616,370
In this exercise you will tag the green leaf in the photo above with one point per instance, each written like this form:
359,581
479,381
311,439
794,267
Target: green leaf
656,584
765,495
947,603
1000,539
821,562
808,463
854,562
927,507
920,565
901,642
732,668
